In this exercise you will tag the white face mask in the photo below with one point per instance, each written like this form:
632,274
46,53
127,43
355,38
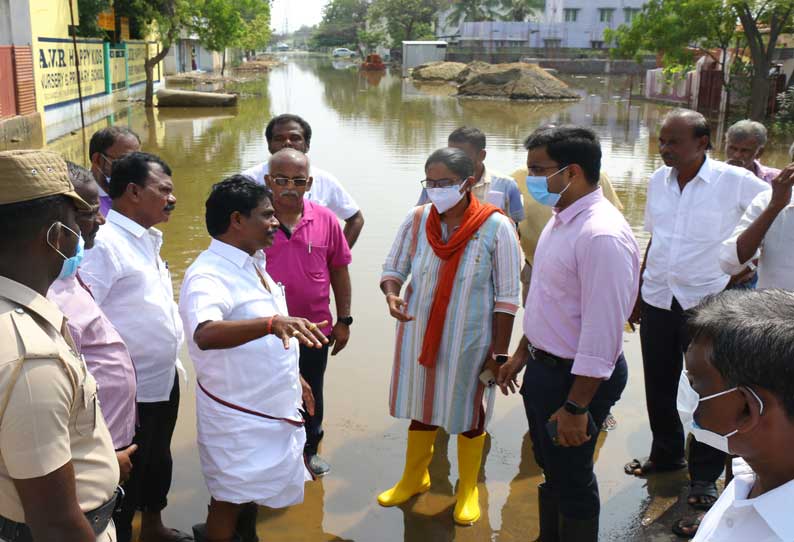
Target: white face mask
446,198
687,403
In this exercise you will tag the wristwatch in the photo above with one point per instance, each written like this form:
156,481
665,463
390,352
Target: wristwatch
347,320
574,408
500,359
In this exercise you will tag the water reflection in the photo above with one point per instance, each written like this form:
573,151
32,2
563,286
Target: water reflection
374,130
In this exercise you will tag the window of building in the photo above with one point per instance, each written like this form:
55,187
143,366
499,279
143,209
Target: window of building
630,13
605,15
571,14
552,43
596,44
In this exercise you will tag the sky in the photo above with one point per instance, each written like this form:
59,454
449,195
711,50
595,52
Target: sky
295,13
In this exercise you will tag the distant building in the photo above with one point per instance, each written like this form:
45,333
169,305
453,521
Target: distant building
565,24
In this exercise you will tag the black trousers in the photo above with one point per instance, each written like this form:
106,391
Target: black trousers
150,479
664,338
568,471
313,362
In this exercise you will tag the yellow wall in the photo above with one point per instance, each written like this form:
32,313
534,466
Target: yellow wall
50,18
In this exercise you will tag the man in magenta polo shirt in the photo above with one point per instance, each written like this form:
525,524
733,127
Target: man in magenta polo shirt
309,257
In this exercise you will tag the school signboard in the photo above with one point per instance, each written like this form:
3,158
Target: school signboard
56,69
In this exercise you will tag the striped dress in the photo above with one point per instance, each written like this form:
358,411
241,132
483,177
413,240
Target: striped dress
450,395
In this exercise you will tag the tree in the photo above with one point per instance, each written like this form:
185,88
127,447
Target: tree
679,28
89,12
166,18
232,23
521,10
370,39
775,16
405,19
473,10
341,23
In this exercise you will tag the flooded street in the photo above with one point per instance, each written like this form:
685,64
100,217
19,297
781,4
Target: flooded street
374,132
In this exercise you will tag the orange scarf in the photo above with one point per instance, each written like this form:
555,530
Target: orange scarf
451,252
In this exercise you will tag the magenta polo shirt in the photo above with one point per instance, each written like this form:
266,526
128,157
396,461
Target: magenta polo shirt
302,262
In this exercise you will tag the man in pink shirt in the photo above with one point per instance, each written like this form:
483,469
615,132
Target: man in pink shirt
585,280
744,145
309,256
96,339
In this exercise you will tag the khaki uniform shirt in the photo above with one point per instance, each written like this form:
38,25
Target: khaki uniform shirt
52,415
536,215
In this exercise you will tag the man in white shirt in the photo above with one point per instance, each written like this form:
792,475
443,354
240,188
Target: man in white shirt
693,204
108,145
766,234
293,132
244,347
739,397
132,285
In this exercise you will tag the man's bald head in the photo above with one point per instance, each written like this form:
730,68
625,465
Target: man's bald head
288,177
289,158
694,120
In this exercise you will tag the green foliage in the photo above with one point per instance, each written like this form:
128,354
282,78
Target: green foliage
341,23
405,19
521,10
257,33
473,11
369,40
165,17
89,11
676,28
232,23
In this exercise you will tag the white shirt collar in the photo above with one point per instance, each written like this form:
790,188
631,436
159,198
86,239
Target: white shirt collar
130,225
772,506
704,173
238,257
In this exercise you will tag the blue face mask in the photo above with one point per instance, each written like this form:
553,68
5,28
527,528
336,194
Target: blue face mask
538,187
70,264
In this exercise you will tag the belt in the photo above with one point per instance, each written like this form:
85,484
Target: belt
99,518
549,360
295,423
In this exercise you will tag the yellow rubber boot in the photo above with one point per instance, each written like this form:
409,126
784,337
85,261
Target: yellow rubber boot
467,509
416,478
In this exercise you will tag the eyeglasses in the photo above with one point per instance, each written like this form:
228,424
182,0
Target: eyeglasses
538,170
89,214
439,183
297,181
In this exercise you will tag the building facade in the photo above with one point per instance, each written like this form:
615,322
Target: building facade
565,24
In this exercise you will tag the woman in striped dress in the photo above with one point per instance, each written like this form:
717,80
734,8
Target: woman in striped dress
455,321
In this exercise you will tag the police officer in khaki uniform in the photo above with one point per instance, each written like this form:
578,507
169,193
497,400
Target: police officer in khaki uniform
58,470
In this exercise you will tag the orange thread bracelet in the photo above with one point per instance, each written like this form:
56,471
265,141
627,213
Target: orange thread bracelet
270,325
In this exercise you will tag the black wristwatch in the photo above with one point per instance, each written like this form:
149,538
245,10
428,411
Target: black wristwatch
574,408
500,359
347,320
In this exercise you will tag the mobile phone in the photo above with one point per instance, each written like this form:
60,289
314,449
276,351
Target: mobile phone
551,428
487,378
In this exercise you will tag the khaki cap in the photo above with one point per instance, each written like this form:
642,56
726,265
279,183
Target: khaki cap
26,175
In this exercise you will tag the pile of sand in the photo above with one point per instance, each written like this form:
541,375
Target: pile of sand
515,81
438,72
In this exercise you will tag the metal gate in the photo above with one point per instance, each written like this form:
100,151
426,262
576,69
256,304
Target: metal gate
710,92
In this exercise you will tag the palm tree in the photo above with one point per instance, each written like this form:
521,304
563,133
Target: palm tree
473,10
521,10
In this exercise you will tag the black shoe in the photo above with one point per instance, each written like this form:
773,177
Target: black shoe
318,465
246,523
578,530
549,514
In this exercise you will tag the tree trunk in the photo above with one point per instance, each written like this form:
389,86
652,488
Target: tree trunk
223,63
759,91
149,66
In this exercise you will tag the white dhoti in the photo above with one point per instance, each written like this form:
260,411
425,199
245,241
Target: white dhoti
246,458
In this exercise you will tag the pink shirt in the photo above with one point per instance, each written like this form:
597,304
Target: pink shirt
765,173
105,355
584,284
302,262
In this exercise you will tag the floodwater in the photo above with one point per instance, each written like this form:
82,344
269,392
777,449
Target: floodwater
374,131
